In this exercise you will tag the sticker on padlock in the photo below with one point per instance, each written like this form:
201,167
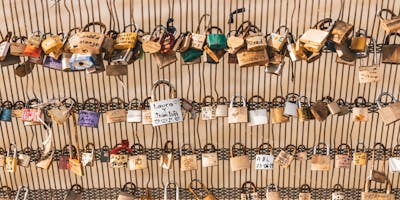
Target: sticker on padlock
265,161
188,161
249,195
286,156
208,109
360,157
343,160
139,160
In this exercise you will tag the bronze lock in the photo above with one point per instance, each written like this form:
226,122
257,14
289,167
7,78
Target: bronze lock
359,41
304,112
320,110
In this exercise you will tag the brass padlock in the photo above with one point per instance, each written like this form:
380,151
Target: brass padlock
86,41
378,175
241,162
305,192
338,193
25,157
277,39
126,40
320,110
208,109
209,195
152,44
391,112
360,157
367,194
182,44
286,156
321,162
167,157
255,39
314,39
249,195
343,160
75,193
198,39
51,43
332,105
117,114
392,24
17,46
359,41
209,157
360,111
188,162
277,109
341,31
11,160
304,112
371,73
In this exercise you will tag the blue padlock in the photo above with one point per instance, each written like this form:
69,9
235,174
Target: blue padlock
80,61
52,63
6,111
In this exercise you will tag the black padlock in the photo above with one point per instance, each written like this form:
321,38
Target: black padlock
105,154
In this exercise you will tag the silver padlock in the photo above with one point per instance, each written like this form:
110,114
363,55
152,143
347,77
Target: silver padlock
275,69
222,107
291,44
291,105
80,61
122,57
65,58
333,106
98,65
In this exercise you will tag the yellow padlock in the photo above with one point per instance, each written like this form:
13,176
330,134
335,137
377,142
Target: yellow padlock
52,43
359,41
126,40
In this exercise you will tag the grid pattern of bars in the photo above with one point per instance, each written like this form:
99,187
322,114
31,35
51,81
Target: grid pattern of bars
321,78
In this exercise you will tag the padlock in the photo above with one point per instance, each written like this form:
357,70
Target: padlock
249,195
241,162
277,110
168,42
146,112
164,59
304,112
2,157
208,109
221,109
209,195
338,193
394,160
332,105
275,57
32,48
152,44
254,38
367,194
139,160
89,118
5,47
272,192
6,111
234,42
30,115
275,69
391,24
291,105
216,41
360,111
213,56
286,156
257,111
63,159
237,114
360,157
371,73
62,111
81,61
167,157
359,41
189,161
378,175
126,40
125,194
88,156
191,56
209,157
294,54
122,57
21,189
343,160
108,43
117,114
344,108
52,63
17,46
11,160
98,66
182,44
86,41
390,50
344,53
320,110
314,39
24,158
134,113
105,154
301,153
46,160
198,39
320,162
265,161
37,60
391,112
305,192
17,110
341,31
65,58
168,186
51,43
74,193
277,39
119,155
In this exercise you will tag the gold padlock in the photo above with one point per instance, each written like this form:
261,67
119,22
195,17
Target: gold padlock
286,156
209,157
241,162
304,112
277,39
138,161
391,24
390,113
359,41
126,40
378,175
188,162
51,43
301,153
321,162
332,105
320,110
277,109
360,111
11,160
209,195
360,157
17,46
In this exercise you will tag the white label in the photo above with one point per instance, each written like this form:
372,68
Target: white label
166,112
264,162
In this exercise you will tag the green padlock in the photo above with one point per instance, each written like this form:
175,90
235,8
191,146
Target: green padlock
216,40
191,54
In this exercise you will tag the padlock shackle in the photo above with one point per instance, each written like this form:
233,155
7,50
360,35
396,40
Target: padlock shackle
262,102
394,149
251,184
96,102
222,100
167,186
119,101
131,184
338,188
77,188
305,188
317,146
284,27
7,104
241,146
145,103
201,20
72,105
243,99
379,99
6,189
89,146
191,189
136,102
172,92
2,151
375,58
358,104
291,146
22,188
346,146
209,147
130,25
381,147
68,148
363,146
379,14
102,26
209,30
21,38
186,147
31,102
208,97
387,38
269,147
301,148
14,150
138,147
275,101
299,103
169,146
361,32
292,97
327,99
241,29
